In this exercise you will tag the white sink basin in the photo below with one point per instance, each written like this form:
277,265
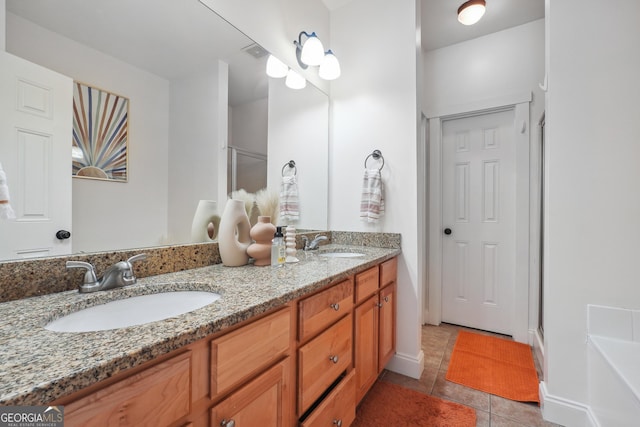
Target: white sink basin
132,311
341,254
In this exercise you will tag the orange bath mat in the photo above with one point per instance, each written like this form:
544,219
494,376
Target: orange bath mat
389,404
494,365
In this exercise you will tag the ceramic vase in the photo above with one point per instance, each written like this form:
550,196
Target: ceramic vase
233,236
206,222
262,233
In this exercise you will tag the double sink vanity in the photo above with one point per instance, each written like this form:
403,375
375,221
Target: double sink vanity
295,345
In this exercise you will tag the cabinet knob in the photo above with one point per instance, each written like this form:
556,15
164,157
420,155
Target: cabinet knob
379,304
337,423
334,359
386,299
227,423
335,306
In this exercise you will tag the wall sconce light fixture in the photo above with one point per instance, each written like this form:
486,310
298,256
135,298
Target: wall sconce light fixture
311,52
471,11
276,68
295,80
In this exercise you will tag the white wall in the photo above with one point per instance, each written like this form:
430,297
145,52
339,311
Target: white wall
193,150
374,106
298,131
111,215
249,126
593,201
499,64
3,14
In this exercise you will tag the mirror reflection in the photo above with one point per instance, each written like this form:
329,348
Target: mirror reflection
204,119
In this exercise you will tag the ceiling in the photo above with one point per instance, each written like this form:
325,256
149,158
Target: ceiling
440,26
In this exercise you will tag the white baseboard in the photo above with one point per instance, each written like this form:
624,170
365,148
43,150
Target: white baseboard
411,366
564,411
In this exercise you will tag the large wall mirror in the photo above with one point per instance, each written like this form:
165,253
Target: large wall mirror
204,119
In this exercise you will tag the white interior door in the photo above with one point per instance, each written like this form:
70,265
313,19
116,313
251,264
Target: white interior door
35,152
478,216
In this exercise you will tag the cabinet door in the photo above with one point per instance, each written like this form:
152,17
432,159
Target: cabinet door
156,396
263,402
337,409
366,345
387,327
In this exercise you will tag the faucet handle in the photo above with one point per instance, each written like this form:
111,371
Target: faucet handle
138,257
89,276
129,271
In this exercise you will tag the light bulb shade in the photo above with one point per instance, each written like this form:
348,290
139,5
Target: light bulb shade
295,80
471,12
312,51
330,67
276,68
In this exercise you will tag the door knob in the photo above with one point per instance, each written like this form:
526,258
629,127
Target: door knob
447,231
63,234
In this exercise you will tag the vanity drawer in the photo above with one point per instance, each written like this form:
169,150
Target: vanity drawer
366,284
388,272
338,408
322,309
243,353
322,360
158,395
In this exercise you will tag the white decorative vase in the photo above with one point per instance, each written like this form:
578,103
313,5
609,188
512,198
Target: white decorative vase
233,236
206,222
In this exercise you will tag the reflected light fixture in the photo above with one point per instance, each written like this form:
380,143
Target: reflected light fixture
295,80
309,52
330,67
471,11
276,68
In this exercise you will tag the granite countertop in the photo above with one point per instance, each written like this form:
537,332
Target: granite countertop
38,366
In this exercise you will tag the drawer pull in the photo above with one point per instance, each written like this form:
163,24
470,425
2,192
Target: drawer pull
337,423
334,359
386,299
229,423
335,306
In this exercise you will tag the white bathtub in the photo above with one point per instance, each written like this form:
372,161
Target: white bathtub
614,365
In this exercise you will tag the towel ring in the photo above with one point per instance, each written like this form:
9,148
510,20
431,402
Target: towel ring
377,155
292,165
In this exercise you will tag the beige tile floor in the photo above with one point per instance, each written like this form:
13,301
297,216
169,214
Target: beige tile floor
491,411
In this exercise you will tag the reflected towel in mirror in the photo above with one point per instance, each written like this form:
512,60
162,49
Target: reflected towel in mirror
289,209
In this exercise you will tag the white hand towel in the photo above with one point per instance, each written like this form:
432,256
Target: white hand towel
289,209
6,211
372,204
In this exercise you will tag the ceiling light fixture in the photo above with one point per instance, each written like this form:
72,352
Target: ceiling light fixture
471,11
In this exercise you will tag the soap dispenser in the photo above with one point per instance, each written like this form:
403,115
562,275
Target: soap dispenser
278,248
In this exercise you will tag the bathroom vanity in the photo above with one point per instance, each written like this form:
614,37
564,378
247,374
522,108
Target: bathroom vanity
298,345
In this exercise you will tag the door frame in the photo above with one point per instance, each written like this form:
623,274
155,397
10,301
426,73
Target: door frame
520,104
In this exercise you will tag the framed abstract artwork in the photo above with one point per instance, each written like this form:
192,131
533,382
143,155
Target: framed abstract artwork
100,134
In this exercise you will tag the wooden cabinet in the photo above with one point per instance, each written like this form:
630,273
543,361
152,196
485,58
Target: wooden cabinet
262,402
374,324
307,363
156,396
325,357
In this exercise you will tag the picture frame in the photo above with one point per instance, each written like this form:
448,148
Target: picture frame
100,134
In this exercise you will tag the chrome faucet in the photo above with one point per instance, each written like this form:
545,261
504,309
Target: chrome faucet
118,275
314,244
